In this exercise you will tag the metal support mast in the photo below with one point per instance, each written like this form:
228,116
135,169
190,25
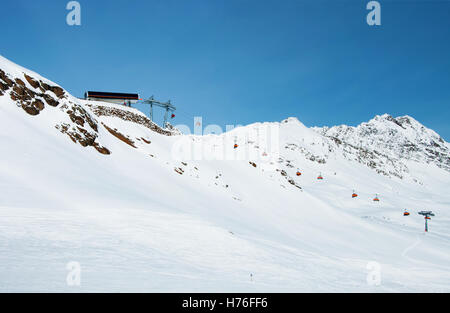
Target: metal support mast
165,105
427,215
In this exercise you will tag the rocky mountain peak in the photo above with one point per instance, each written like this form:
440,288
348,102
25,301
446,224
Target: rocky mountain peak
400,138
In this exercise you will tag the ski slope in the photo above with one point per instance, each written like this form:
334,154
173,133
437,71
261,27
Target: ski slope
148,218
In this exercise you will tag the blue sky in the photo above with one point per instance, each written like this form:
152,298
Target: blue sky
244,61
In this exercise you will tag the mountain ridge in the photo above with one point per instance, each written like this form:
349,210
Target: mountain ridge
401,138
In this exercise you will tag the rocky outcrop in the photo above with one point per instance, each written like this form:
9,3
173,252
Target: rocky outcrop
386,140
31,101
126,115
32,95
80,116
82,136
289,179
120,136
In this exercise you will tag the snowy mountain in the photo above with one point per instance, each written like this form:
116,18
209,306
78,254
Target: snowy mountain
142,208
401,138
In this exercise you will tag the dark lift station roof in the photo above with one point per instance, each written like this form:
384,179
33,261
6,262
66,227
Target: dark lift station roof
112,97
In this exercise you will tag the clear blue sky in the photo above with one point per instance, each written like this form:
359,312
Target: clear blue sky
243,61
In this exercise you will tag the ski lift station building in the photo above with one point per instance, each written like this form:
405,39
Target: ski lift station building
112,97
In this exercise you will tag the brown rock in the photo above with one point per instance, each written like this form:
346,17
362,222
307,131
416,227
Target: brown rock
32,81
120,136
20,91
80,116
3,86
30,109
50,101
45,86
179,170
20,82
101,149
76,118
58,91
38,104
5,78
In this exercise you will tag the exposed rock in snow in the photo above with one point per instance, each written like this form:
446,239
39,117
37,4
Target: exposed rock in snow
172,129
396,139
128,114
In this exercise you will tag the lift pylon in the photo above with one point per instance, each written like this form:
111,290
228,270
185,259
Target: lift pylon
427,215
168,106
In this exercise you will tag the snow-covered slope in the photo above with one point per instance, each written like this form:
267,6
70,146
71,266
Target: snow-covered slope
102,185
